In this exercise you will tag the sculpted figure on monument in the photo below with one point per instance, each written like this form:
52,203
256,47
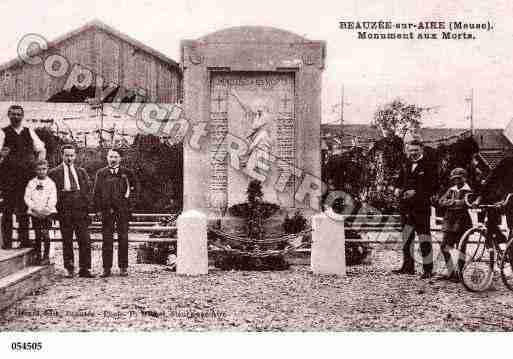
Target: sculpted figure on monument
262,131
261,138
262,134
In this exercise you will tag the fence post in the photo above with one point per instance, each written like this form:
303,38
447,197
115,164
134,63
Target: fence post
432,218
1,231
504,223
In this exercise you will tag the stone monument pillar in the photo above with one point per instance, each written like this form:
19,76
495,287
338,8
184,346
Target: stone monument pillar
328,254
259,91
192,250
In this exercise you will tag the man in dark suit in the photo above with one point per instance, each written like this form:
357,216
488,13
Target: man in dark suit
114,189
494,190
417,183
73,199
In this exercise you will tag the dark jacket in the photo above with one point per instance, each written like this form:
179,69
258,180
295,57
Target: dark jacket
495,188
110,190
423,180
22,152
456,218
499,182
17,167
83,201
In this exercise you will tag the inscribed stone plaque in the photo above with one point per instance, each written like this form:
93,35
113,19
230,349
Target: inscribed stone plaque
259,109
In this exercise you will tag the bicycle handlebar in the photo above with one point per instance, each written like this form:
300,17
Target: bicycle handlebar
495,205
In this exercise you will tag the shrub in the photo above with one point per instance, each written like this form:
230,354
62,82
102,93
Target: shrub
295,224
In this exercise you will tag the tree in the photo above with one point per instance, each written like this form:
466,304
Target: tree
397,117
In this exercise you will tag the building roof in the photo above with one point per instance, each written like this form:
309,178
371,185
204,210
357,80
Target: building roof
353,134
364,133
96,24
486,138
360,130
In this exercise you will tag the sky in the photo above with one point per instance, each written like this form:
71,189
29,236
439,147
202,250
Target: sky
438,74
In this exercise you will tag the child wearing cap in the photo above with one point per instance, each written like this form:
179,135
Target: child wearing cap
456,220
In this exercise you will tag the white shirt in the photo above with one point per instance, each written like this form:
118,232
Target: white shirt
465,187
416,163
43,198
38,144
67,182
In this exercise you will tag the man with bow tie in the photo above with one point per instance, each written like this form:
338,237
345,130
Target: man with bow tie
73,199
114,191
417,184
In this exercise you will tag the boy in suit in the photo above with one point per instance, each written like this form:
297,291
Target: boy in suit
73,199
41,199
114,189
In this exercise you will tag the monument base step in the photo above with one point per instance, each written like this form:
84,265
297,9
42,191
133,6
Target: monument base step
14,287
13,260
300,257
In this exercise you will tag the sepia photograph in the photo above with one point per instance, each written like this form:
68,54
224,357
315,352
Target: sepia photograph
247,167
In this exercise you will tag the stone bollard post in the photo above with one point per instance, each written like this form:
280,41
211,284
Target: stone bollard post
328,254
192,251
432,218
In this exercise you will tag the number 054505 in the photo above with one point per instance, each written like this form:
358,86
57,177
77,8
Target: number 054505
22,346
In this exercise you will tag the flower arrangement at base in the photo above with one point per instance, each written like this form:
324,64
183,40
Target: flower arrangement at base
257,247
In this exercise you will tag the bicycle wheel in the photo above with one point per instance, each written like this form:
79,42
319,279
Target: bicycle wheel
476,260
507,265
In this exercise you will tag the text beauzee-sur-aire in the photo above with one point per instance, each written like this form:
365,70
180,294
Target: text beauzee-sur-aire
422,25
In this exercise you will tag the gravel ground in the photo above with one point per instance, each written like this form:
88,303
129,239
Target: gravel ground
154,298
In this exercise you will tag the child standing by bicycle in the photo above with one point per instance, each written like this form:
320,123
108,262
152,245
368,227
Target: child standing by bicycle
456,220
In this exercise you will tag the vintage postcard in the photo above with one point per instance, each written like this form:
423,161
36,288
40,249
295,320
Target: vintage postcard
270,166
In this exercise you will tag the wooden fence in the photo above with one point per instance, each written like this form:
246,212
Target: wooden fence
370,227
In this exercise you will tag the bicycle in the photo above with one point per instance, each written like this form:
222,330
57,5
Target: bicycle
481,250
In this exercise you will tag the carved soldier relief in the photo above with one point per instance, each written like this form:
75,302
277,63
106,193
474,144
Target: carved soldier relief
259,110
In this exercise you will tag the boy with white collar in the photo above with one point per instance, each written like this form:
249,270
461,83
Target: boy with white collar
456,220
41,199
